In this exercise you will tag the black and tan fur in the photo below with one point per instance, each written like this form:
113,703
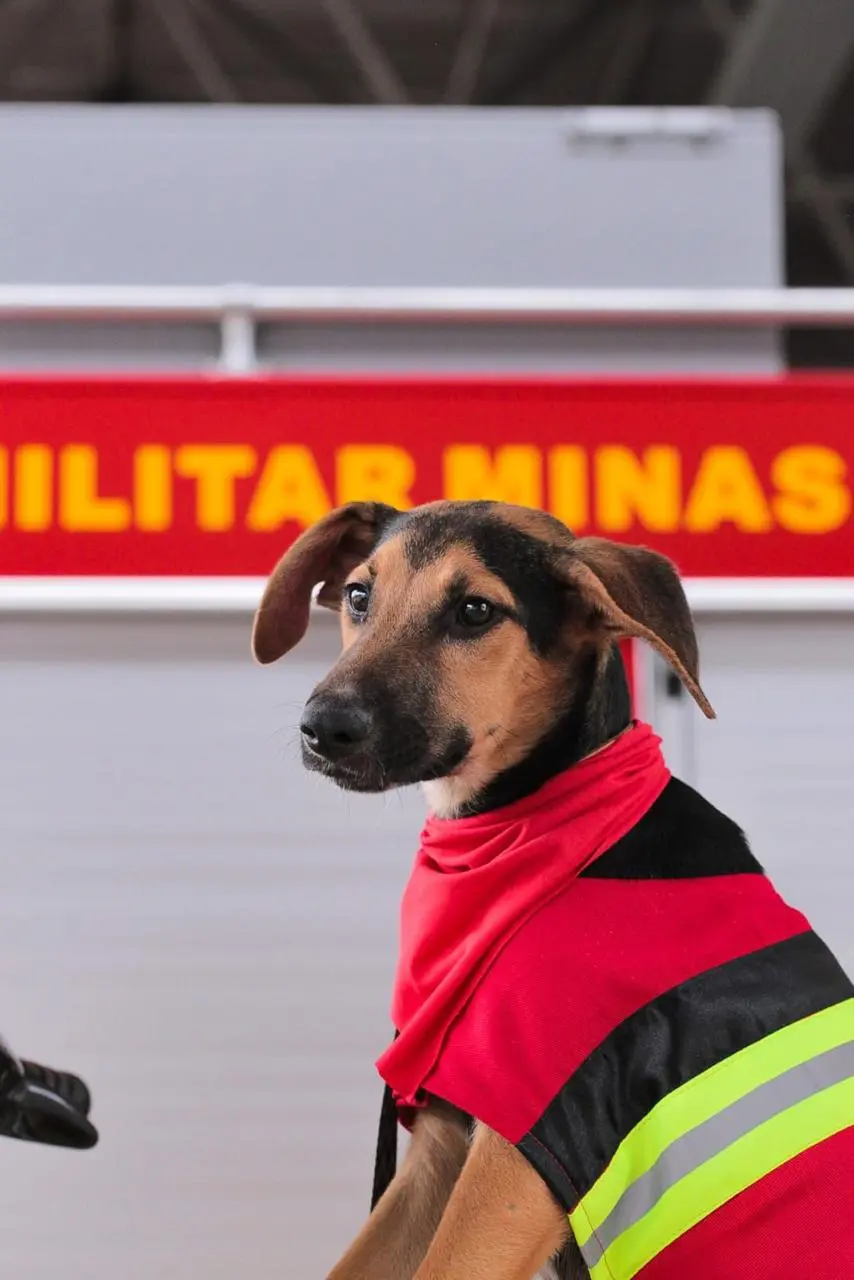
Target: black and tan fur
479,660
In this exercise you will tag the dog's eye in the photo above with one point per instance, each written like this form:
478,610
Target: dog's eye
474,614
358,598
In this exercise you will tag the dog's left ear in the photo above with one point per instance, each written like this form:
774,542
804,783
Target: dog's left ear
634,592
325,554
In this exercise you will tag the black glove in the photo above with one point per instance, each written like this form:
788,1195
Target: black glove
41,1105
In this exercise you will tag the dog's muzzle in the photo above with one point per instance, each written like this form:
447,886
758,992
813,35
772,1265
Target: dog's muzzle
365,742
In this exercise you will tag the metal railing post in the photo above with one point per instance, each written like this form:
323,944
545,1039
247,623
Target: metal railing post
238,353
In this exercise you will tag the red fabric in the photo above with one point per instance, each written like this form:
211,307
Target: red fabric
495,910
794,1224
592,957
477,881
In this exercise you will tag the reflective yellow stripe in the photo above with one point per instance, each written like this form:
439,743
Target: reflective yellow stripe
706,1141
705,1096
710,1185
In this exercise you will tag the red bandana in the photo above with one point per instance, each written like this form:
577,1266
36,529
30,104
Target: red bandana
477,881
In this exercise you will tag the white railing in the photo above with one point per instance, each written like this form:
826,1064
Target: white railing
23,595
238,309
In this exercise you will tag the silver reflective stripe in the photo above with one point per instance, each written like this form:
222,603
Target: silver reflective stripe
715,1135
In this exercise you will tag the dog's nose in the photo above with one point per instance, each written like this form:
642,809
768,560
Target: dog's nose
334,729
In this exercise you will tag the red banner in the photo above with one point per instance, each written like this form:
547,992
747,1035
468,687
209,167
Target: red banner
207,476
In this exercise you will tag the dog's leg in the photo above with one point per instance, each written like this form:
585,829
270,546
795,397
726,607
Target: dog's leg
501,1223
397,1235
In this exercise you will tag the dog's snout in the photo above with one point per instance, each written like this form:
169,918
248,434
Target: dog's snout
333,728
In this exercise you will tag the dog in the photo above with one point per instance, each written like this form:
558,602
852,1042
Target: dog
619,1052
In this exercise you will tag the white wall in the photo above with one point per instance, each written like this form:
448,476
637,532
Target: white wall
779,759
207,934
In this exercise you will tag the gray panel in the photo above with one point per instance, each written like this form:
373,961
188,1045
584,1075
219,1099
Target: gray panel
323,196
56,346
535,349
207,934
392,348
394,196
779,758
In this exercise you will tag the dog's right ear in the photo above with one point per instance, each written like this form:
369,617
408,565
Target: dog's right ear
632,591
325,553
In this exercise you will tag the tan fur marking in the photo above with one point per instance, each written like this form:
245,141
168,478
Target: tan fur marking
505,695
501,1223
404,597
499,689
536,524
397,1235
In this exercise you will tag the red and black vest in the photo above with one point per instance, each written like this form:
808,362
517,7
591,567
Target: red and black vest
672,1048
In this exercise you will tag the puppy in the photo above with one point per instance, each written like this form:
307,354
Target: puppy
619,1052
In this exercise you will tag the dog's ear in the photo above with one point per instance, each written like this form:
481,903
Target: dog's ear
324,554
634,592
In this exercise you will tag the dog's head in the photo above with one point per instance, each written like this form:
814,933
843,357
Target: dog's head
477,637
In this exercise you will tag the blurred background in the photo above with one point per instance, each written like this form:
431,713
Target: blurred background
215,215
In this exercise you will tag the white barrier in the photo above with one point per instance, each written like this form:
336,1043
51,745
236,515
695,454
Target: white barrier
237,309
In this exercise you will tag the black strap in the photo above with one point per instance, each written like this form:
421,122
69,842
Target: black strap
385,1162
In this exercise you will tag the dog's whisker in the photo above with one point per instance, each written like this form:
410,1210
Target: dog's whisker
293,734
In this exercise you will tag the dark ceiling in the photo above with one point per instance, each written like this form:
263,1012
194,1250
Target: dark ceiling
796,55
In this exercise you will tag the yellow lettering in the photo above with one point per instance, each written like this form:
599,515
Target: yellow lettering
152,488
727,491
81,508
374,473
813,496
569,485
646,490
33,487
513,473
4,486
290,488
215,468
